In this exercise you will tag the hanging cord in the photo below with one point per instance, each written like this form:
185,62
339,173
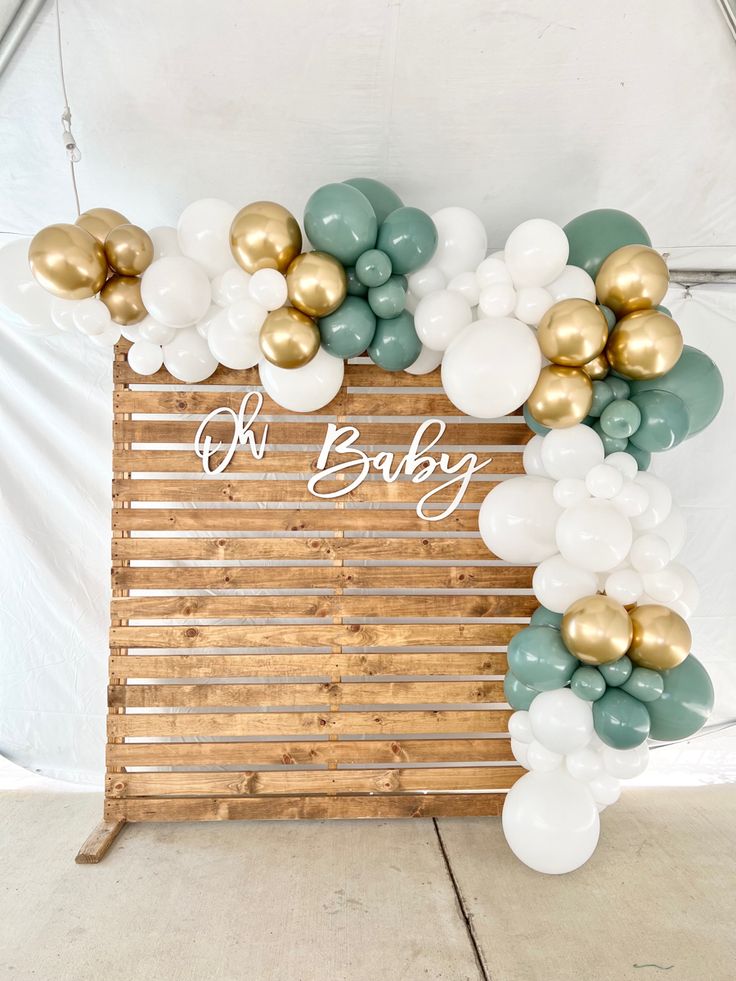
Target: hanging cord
70,144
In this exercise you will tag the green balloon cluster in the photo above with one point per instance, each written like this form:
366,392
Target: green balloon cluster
379,240
593,236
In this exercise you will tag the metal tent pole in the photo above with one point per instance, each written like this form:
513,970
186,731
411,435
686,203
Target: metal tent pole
25,14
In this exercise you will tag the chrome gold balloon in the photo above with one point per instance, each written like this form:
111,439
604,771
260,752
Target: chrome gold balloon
562,396
264,235
634,277
598,368
122,297
661,638
644,344
572,332
99,222
317,283
596,629
129,250
289,338
67,261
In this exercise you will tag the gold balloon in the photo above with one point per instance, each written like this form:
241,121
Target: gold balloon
634,277
122,297
562,396
265,235
572,332
644,344
661,638
288,338
598,368
596,629
317,283
99,222
67,261
129,250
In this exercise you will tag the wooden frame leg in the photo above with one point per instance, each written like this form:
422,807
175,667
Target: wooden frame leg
99,842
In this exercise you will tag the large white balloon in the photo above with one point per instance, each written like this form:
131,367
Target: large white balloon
572,452
233,334
491,368
517,520
176,291
594,536
572,283
204,234
561,721
440,317
188,357
536,252
551,822
307,388
22,300
557,583
461,241
427,361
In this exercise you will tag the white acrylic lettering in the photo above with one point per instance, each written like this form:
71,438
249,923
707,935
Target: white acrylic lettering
243,435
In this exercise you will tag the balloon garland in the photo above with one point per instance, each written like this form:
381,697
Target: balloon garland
567,322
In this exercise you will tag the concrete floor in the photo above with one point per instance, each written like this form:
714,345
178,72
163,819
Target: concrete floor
353,901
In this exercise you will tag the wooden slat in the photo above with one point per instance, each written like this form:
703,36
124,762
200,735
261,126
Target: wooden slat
99,842
311,753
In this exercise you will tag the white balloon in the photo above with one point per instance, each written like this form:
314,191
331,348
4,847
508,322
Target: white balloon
520,751
532,302
151,330
536,252
268,287
62,313
426,280
22,300
466,284
557,584
605,789
603,481
203,324
625,586
584,764
550,822
623,764
570,491
145,358
427,361
165,242
410,304
307,388
176,291
687,602
204,234
520,727
493,270
560,720
674,530
188,357
572,283
660,502
532,458
538,757
491,368
108,338
665,586
233,334
517,520
92,317
624,462
131,332
594,536
572,452
632,500
497,300
649,553
440,317
461,240
230,286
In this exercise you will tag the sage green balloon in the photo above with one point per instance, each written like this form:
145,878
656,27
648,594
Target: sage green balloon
685,703
643,457
542,617
665,310
340,220
619,386
388,300
518,695
593,236
588,683
620,720
536,427
664,421
408,236
538,657
616,673
697,381
602,396
373,268
381,197
644,684
610,443
348,331
620,419
609,315
395,344
355,287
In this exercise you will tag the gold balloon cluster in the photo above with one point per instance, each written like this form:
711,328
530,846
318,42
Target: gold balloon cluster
598,630
264,235
100,253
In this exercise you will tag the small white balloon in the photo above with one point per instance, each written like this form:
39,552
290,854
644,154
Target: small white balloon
665,586
604,481
660,502
426,280
203,324
233,335
304,389
466,284
584,764
268,287
687,602
624,462
674,530
540,758
561,721
145,358
570,491
493,270
176,291
572,452
594,536
204,234
536,252
62,313
532,302
532,458
649,553
188,357
108,338
520,728
624,764
520,752
605,789
572,283
92,317
497,300
517,520
632,499
461,241
131,332
165,242
427,361
557,584
625,586
151,330
440,317
230,286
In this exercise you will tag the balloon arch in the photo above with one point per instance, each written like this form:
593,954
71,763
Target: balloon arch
567,322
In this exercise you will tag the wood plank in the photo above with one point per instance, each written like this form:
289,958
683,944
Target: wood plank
99,841
295,724
310,753
305,808
323,635
249,782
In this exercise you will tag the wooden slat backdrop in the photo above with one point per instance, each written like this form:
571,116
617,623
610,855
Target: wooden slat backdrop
273,656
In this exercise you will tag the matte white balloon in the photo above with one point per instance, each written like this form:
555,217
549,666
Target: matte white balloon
268,287
493,270
145,358
131,332
557,583
233,334
604,481
632,499
532,302
22,300
624,764
461,240
532,458
204,234
307,388
427,361
62,313
517,520
674,530
624,462
151,330
440,317
664,586
188,357
584,764
108,338
536,252
230,286
176,291
203,324
520,752
570,491
625,586
572,283
594,536
165,242
520,727
92,317
560,720
538,757
605,789
649,553
466,284
426,280
497,300
490,369
687,602
572,452
660,502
